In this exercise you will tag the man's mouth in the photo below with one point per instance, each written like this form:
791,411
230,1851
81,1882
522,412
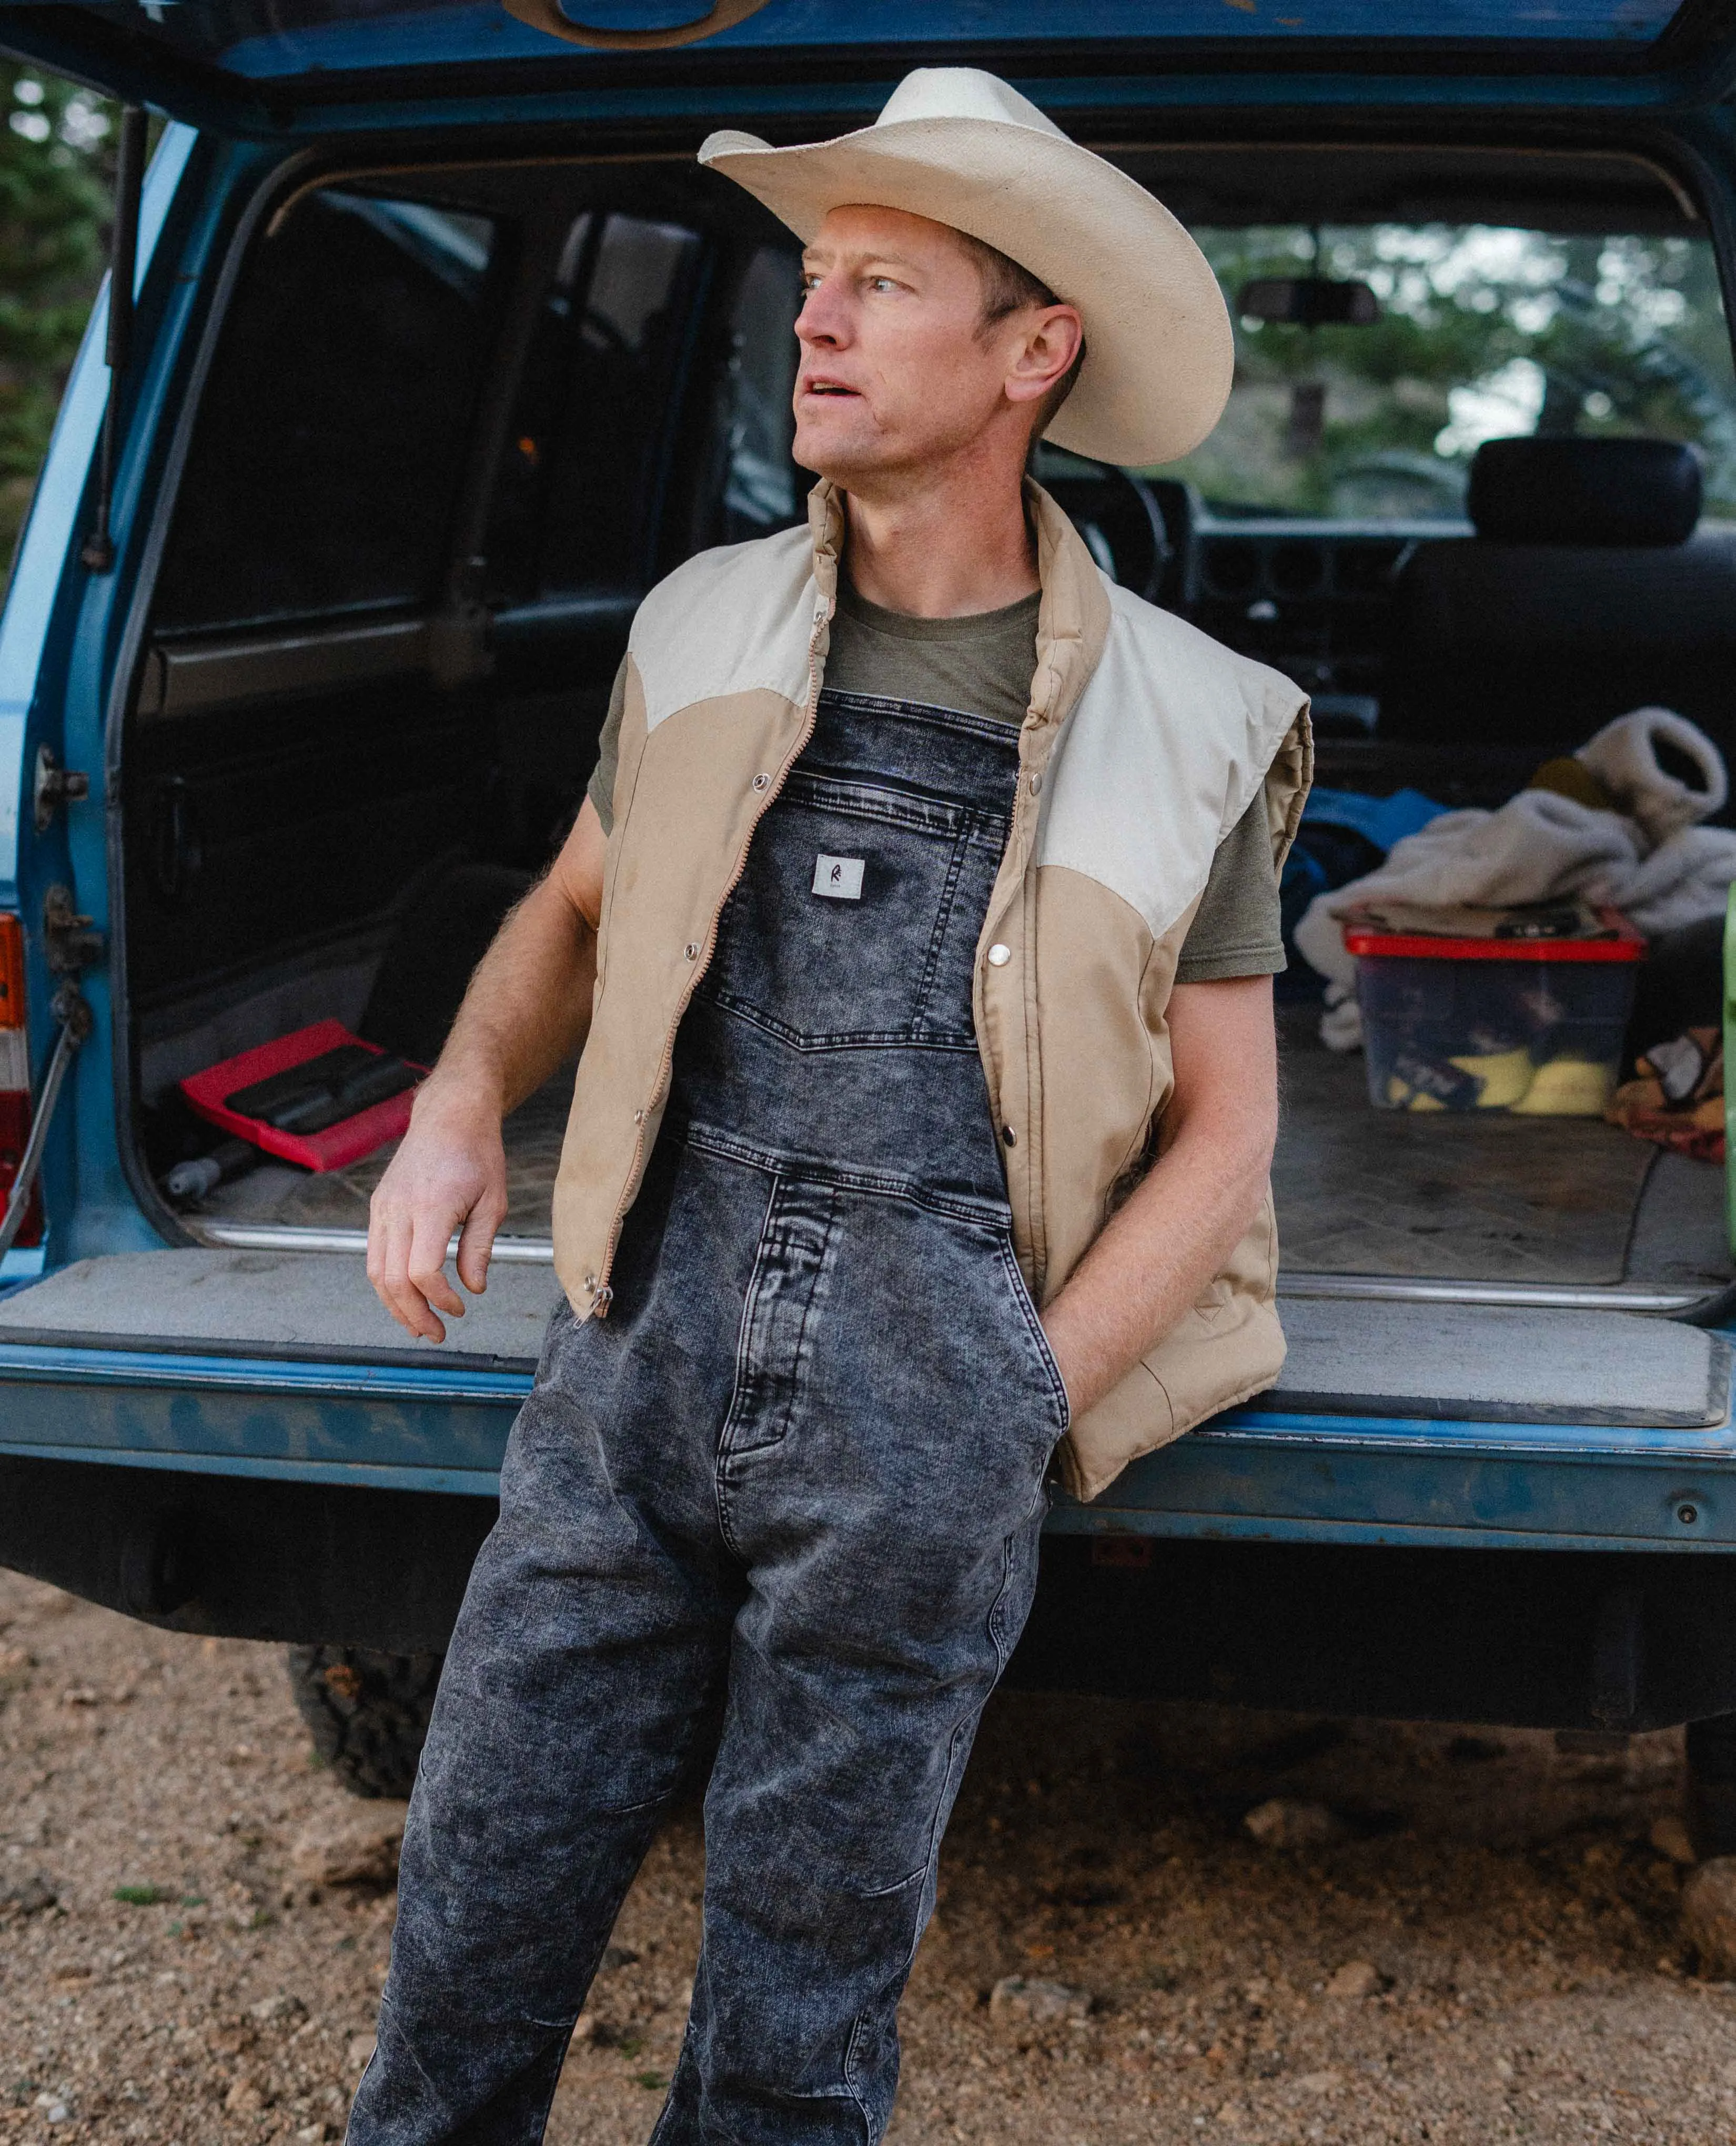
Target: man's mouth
826,388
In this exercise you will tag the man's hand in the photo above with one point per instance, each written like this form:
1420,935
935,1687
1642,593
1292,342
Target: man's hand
1157,1255
449,1174
526,1012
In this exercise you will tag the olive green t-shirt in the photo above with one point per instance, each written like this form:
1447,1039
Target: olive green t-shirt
982,664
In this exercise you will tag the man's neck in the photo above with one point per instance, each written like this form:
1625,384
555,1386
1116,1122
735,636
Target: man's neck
942,550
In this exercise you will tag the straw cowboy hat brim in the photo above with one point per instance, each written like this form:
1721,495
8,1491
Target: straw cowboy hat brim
964,148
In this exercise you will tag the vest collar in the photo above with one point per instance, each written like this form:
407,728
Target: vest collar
1072,619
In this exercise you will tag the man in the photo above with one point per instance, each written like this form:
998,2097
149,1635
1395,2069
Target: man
918,931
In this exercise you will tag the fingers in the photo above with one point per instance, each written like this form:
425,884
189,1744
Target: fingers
475,1246
390,1249
426,1268
435,1184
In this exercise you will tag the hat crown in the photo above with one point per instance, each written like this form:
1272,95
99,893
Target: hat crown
962,93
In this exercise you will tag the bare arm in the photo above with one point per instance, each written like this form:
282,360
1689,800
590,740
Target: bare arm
528,1010
1156,1256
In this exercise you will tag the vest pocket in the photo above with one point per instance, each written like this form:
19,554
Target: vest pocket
855,921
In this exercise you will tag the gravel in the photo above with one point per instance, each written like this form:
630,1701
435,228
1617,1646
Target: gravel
1486,1946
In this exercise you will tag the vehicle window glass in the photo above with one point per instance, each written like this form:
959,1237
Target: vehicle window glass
332,431
1481,331
578,504
763,487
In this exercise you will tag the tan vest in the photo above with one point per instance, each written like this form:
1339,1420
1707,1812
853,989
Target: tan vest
1144,745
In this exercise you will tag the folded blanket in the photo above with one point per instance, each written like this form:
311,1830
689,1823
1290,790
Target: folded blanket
1543,846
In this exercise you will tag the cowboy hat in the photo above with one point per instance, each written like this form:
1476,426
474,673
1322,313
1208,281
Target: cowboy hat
964,149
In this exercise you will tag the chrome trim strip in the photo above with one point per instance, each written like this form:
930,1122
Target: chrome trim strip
1525,1295
265,1237
1529,1295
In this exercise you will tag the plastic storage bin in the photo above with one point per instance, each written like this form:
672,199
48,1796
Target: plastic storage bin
1514,1010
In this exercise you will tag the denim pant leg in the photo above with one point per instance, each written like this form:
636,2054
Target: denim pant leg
887,1501
594,1630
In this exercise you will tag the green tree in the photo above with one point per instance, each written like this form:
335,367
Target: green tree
56,158
1481,331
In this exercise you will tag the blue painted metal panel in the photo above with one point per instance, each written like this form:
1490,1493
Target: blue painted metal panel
474,31
1250,1475
404,62
441,1429
1247,1477
52,524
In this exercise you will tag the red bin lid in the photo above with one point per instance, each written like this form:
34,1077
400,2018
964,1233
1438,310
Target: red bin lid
1555,931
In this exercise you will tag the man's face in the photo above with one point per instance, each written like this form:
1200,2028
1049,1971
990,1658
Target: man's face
896,372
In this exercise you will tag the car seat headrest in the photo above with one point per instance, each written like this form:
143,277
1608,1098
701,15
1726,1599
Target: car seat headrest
1584,491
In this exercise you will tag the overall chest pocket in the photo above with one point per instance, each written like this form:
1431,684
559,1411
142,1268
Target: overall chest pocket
856,921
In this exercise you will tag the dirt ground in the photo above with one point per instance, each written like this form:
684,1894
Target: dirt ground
1488,1952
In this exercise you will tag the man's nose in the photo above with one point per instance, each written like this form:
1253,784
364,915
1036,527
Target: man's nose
822,318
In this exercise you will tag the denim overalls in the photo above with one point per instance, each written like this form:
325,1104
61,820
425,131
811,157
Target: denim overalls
800,1463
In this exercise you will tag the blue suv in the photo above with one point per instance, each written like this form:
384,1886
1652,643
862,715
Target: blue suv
427,350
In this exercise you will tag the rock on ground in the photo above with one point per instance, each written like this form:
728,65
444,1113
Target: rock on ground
1282,1822
1041,2004
1355,1979
358,1846
1709,1915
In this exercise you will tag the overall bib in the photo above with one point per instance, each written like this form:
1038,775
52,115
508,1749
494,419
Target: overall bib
799,1469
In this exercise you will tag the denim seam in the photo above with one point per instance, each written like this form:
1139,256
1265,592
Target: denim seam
848,1039
930,712
1040,1339
858,2026
720,1473
985,1214
854,800
937,938
772,1238
405,2044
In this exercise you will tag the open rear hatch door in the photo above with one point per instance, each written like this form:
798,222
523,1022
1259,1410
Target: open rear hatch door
308,66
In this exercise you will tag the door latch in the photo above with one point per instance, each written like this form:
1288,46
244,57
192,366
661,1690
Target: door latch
55,785
70,942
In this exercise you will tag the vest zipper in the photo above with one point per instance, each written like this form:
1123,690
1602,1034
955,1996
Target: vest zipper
602,1294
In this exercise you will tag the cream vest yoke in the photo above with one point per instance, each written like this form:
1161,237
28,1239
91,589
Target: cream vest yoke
1143,744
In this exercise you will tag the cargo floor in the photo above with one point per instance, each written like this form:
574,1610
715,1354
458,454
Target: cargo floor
1481,1197
1359,1191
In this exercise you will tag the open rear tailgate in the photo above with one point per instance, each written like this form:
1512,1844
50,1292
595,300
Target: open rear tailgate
1421,1423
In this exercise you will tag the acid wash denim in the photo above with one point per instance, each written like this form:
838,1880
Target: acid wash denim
799,1469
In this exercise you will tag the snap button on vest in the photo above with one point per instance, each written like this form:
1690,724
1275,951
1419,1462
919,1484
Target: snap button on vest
692,950
762,783
998,956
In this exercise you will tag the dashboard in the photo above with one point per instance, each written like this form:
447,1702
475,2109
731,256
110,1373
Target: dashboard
1308,596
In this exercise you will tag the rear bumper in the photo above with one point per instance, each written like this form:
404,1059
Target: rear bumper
439,1425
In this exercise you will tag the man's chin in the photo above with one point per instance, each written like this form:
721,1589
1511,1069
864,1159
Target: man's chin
841,459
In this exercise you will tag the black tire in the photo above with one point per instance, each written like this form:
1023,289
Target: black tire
367,1713
1711,1752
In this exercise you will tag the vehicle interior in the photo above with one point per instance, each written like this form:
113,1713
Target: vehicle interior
454,423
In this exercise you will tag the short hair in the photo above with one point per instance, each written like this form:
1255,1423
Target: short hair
1008,288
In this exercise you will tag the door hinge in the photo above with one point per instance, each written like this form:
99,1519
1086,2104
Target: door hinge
55,785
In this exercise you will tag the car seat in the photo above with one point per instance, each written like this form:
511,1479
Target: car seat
1585,591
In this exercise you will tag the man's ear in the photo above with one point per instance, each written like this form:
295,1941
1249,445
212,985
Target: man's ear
1049,342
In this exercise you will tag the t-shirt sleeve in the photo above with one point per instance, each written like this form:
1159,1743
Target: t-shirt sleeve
600,788
1237,930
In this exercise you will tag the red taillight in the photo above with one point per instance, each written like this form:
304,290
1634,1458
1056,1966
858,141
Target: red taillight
15,1074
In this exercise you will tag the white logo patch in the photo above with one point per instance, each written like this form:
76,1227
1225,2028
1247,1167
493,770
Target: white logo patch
840,877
